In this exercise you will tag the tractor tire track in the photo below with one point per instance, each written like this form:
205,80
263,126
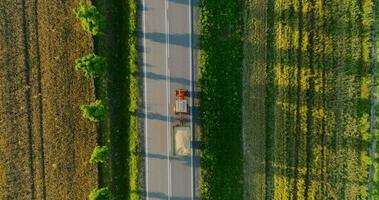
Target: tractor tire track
40,105
36,113
36,90
28,97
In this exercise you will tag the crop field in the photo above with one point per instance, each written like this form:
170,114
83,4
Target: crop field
306,89
45,144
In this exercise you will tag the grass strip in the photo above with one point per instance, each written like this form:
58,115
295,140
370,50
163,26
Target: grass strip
220,99
134,144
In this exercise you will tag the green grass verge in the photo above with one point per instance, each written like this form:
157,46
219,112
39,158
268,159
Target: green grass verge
134,144
220,99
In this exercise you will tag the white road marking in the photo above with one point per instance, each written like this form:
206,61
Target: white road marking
167,101
168,135
191,91
145,83
168,38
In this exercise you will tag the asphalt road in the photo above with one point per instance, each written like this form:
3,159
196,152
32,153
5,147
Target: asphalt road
167,63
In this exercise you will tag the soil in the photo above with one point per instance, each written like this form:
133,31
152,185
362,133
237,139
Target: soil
45,144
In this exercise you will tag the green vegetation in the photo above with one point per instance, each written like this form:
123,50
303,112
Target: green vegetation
134,144
91,19
100,194
374,92
314,76
119,89
91,65
100,154
220,99
94,112
94,66
375,192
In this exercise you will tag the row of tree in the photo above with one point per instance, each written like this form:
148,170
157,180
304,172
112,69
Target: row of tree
92,66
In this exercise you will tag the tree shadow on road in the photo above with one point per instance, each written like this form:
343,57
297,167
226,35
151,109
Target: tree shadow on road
155,76
153,116
175,39
161,195
195,3
186,159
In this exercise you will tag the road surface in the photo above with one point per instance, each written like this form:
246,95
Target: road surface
167,66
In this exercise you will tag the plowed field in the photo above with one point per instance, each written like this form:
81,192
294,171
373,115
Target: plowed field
306,99
45,144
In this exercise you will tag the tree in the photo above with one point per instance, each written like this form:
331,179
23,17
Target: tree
94,112
91,19
99,154
91,65
100,194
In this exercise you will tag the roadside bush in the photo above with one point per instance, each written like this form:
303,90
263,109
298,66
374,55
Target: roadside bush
91,65
94,112
100,194
99,154
91,19
376,183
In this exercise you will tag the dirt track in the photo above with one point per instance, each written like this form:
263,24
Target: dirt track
44,143
254,117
